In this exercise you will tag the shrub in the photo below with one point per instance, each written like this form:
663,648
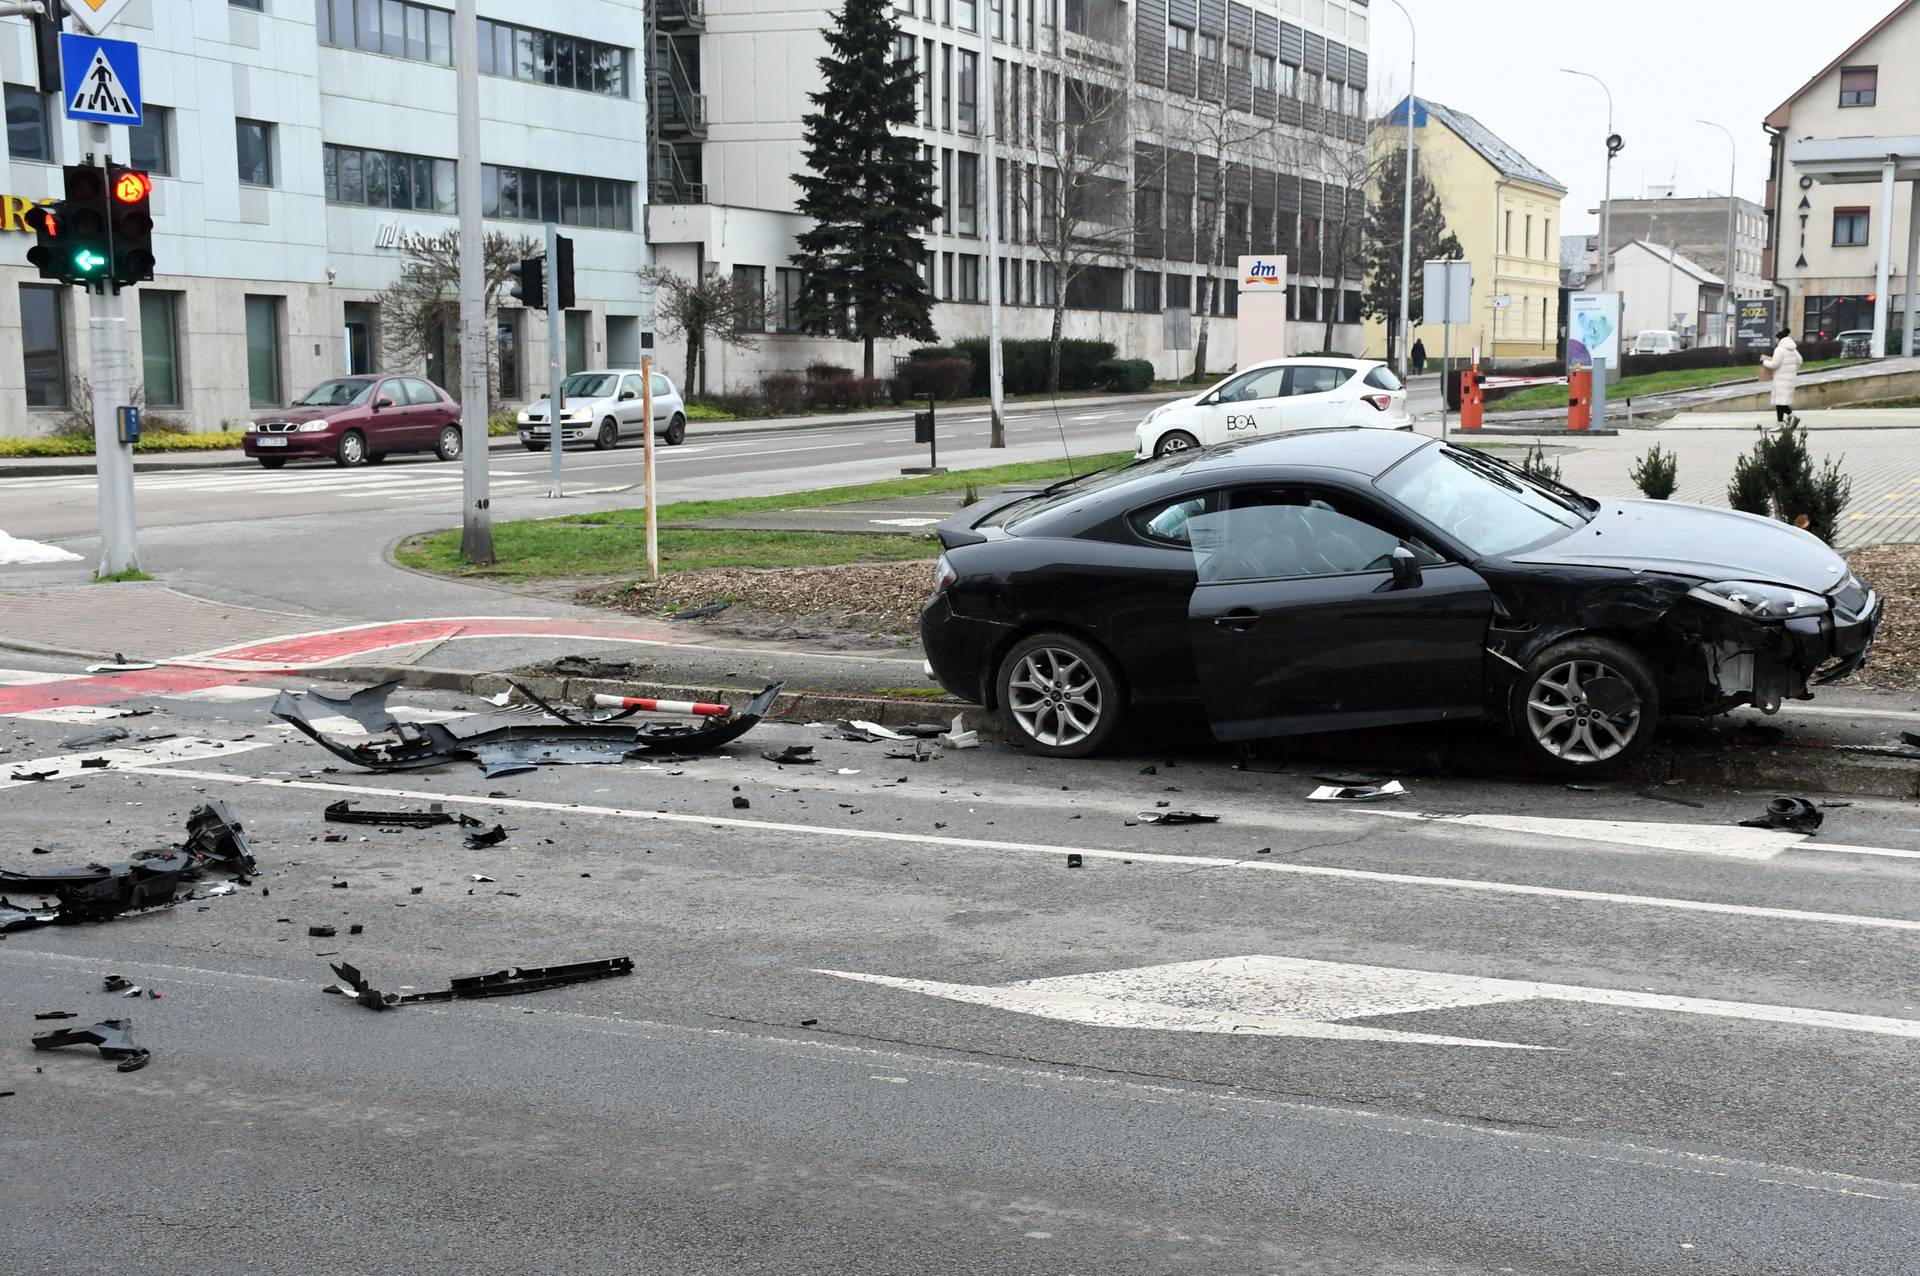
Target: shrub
820,370
731,403
784,391
936,352
1657,473
943,378
898,391
1127,375
845,393
1778,478
1024,363
1536,464
1748,492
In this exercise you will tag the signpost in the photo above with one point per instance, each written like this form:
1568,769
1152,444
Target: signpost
1448,289
1263,309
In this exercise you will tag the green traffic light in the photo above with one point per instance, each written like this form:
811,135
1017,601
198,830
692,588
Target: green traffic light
86,261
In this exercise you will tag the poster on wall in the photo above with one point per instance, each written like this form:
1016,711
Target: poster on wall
1593,329
1755,325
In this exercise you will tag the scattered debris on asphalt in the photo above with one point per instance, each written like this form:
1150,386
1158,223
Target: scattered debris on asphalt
504,983
1347,779
343,812
1357,792
792,755
322,932
857,734
492,837
120,664
111,1035
32,775
920,752
1794,814
695,613
740,803
1073,859
95,738
367,706
115,983
957,736
480,877
1176,817
148,881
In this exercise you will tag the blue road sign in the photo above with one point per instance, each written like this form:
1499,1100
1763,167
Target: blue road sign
100,79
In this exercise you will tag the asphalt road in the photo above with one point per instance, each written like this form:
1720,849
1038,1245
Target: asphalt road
879,1025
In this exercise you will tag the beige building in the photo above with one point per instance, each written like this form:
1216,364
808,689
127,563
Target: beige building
1844,239
1505,211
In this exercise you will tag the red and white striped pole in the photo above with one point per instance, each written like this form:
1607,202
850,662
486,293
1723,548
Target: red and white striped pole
693,707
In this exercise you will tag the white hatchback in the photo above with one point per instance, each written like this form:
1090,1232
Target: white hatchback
606,407
1307,393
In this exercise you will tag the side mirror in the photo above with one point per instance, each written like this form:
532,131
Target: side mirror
1406,568
628,395
382,402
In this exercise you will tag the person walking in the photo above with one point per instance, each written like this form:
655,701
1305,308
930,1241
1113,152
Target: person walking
1419,353
1784,364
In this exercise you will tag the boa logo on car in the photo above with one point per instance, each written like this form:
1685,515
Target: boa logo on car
1264,272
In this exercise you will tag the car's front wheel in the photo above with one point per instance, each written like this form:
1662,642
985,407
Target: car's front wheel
448,448
351,450
1175,441
608,437
676,431
1585,706
1061,696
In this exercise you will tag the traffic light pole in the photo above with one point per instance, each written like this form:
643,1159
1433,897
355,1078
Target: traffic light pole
107,371
476,516
556,410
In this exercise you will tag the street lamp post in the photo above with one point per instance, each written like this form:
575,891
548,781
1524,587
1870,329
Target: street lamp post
1406,215
1726,295
1606,200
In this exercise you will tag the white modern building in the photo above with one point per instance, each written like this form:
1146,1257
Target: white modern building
1283,82
297,146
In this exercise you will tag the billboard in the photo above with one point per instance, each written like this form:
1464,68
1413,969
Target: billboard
1593,329
1262,326
1755,324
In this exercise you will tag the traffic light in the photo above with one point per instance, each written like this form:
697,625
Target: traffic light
132,221
71,234
563,272
48,253
46,43
532,288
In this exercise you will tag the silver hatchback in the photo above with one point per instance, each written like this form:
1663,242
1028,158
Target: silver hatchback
605,406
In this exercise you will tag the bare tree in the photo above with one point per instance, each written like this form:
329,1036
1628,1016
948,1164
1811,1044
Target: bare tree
421,309
1350,169
714,305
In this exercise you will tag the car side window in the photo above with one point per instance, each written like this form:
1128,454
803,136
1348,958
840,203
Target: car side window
1315,378
1169,522
1292,533
1261,383
420,392
1382,378
661,386
390,389
630,386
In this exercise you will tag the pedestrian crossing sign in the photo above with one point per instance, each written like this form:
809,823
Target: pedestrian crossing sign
100,79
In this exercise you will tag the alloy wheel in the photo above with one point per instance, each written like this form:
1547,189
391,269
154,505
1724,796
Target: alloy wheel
1055,697
1568,724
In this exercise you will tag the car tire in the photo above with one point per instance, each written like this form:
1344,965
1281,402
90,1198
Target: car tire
272,462
377,458
448,448
609,436
1558,725
534,447
1175,441
1059,695
676,431
351,450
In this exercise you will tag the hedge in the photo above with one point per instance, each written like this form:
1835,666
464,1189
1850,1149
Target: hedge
1024,364
1129,376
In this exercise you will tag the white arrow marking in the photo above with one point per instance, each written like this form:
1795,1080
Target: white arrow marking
1298,997
1700,839
159,753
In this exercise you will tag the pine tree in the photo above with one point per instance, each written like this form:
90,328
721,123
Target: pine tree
1432,241
867,189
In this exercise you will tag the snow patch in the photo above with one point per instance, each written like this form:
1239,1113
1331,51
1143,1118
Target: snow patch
15,552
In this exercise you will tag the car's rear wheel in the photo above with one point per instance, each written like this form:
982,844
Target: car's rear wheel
1585,706
1060,695
449,445
377,458
1175,441
351,450
676,431
272,462
608,437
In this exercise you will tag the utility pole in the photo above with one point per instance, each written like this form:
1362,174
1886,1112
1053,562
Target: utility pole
996,394
653,515
556,409
1406,215
476,516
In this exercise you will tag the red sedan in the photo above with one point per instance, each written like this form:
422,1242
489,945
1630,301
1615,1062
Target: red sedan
358,420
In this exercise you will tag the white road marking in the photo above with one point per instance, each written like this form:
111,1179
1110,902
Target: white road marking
71,713
1299,997
851,836
229,694
1729,841
30,678
159,753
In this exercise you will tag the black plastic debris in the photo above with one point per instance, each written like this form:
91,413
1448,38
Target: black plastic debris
322,932
503,983
859,735
367,706
792,755
1073,859
920,751
1346,778
1791,813
111,1035
56,1014
924,730
1176,817
492,837
32,775
95,738
695,613
343,812
740,803
115,983
92,764
149,880
1357,792
356,929
214,836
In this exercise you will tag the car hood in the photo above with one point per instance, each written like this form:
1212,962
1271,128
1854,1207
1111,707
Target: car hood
1694,540
1192,400
301,414
537,410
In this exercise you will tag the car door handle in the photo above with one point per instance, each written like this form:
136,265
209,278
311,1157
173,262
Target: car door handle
1240,619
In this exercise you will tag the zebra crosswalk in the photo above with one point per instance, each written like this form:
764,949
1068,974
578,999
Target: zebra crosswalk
406,483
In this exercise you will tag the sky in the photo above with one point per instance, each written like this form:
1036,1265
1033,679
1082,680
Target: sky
1667,62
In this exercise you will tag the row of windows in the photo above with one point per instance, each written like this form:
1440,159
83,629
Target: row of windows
43,343
525,194
386,179
1267,72
421,33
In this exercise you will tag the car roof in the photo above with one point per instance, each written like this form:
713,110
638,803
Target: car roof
1360,449
1316,360
612,372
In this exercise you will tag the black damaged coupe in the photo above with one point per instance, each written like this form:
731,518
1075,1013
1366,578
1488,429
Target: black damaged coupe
1336,579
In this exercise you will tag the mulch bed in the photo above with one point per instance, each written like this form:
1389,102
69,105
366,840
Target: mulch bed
1893,570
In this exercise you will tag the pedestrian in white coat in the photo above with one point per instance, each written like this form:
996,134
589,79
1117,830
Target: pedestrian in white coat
1784,363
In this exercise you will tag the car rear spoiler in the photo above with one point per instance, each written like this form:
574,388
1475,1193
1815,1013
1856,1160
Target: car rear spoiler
963,528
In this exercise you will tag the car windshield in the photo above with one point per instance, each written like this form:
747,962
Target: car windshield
335,394
1488,506
588,385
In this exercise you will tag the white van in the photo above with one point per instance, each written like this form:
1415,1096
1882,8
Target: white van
1657,341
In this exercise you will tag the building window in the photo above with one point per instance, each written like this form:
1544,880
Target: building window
150,143
786,299
525,194
357,321
564,61
1828,317
43,345
263,351
396,28
1263,77
576,326
1849,227
258,6
1146,291
160,347
752,281
1180,38
1859,85
966,282
387,179
29,132
963,14
1289,80
967,73
966,219
1210,49
253,146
